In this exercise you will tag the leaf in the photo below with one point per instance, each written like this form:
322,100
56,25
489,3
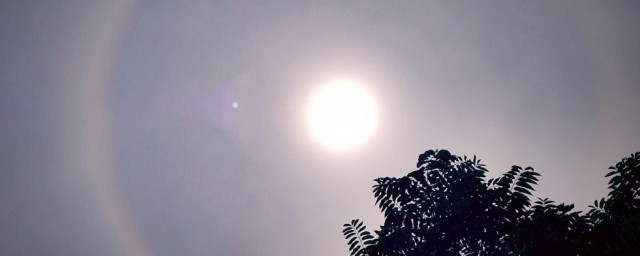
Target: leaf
524,184
523,190
357,238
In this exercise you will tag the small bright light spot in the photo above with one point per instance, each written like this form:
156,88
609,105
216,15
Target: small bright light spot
342,115
235,104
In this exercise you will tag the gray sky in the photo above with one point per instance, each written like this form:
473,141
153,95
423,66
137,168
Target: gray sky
118,136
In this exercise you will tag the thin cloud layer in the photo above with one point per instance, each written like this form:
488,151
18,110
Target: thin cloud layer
120,133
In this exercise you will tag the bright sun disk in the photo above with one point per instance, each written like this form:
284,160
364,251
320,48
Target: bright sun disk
341,115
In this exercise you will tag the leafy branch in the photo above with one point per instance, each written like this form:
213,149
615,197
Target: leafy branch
359,239
445,207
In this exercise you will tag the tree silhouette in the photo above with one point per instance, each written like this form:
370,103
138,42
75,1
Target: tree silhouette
446,207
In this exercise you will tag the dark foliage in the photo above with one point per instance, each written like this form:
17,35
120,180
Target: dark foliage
446,207
358,238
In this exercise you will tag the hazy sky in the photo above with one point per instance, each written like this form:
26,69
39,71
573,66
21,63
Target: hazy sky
118,135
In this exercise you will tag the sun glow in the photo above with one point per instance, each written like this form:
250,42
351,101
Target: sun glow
341,115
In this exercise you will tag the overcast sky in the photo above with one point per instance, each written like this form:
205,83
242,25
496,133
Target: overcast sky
118,135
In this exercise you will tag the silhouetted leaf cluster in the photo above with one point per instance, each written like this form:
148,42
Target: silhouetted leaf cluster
358,238
446,207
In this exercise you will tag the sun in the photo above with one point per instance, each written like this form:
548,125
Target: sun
341,115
